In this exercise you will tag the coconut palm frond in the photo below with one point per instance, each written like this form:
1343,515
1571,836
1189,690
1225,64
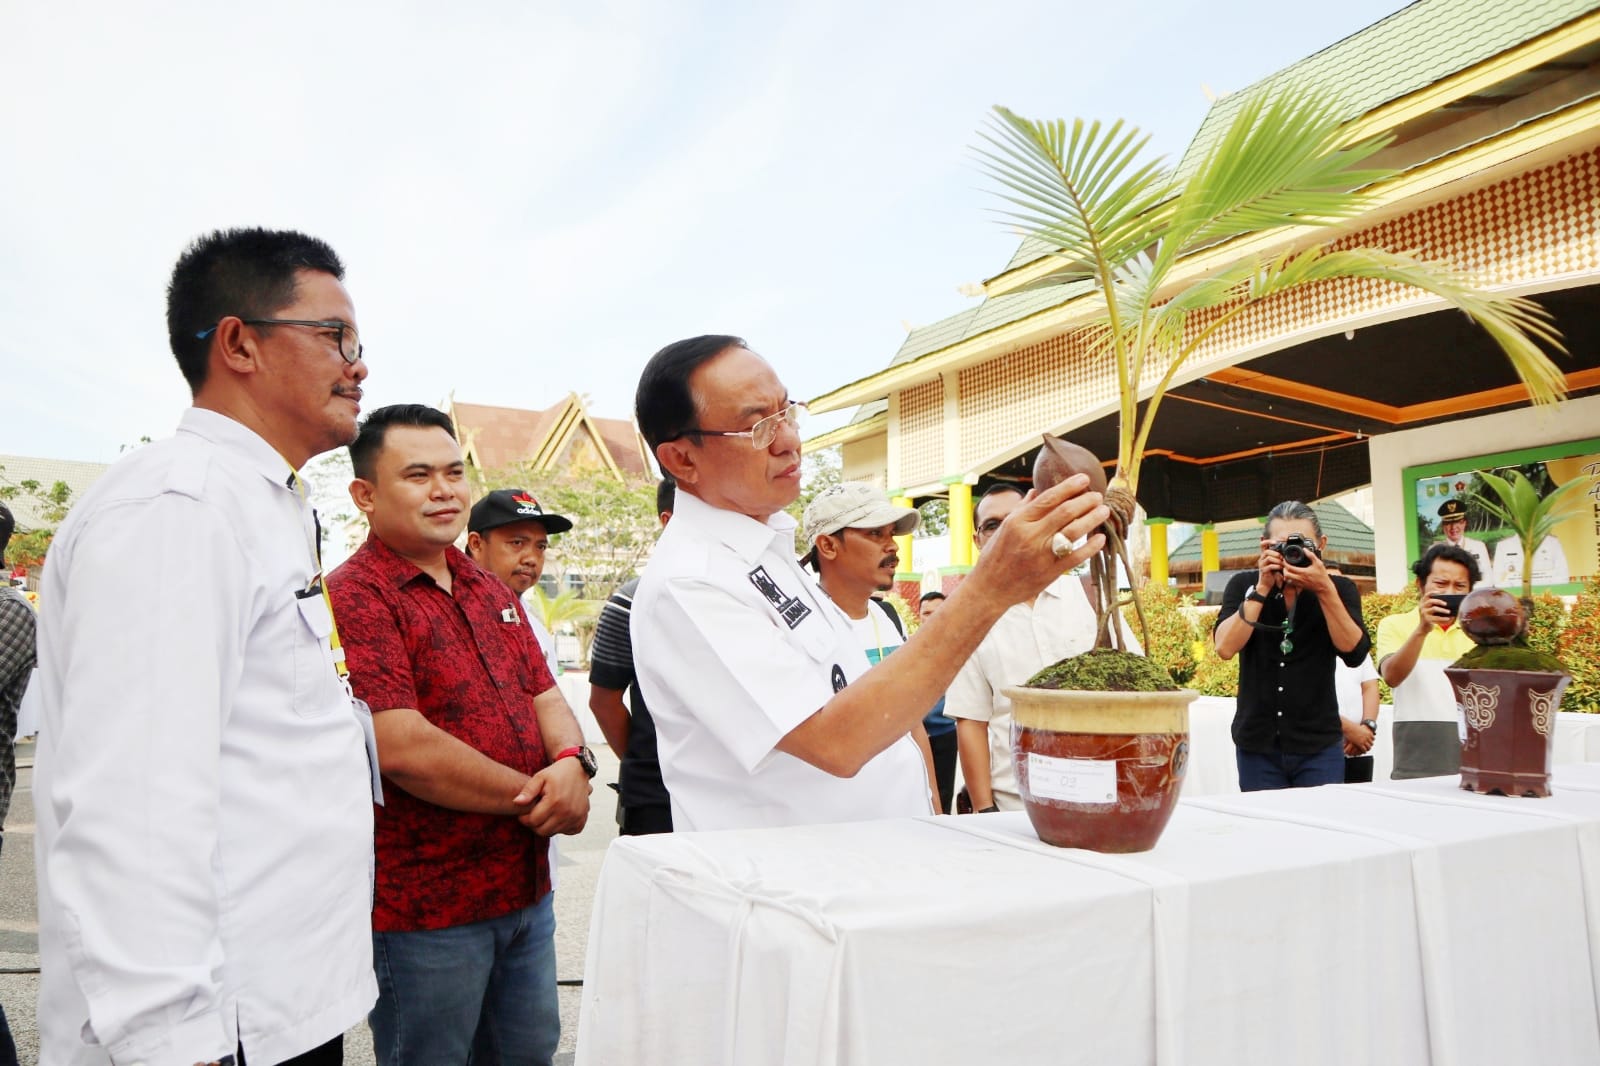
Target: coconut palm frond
1517,504
1559,504
1082,189
1279,163
1520,507
566,606
1515,324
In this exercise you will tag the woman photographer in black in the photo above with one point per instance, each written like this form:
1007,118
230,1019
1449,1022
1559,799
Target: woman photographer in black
1287,621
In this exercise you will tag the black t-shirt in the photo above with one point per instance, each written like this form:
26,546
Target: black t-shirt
611,666
1287,701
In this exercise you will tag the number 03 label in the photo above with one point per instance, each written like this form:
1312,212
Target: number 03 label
1073,780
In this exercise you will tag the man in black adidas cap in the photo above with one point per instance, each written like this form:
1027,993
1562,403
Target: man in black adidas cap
508,534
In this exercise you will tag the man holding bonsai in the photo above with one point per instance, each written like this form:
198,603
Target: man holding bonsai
767,711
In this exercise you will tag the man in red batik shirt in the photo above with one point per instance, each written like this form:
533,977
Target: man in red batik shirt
481,757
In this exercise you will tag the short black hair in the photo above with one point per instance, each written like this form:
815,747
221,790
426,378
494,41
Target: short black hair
993,490
934,595
666,495
369,437
663,404
1450,553
8,526
245,272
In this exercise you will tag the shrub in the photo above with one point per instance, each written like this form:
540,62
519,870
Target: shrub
1580,651
1546,626
1172,634
1214,676
1375,607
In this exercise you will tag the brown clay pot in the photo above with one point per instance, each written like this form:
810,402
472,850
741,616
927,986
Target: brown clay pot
1100,770
1511,727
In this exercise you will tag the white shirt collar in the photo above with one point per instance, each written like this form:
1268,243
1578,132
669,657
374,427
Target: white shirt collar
250,446
747,537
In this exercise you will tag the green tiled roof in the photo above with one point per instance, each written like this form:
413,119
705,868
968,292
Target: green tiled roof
1415,47
1346,534
993,313
869,410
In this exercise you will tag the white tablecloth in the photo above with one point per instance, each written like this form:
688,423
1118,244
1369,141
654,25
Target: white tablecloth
1213,772
1394,923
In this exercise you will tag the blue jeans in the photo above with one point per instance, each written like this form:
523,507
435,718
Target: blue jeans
1260,770
482,993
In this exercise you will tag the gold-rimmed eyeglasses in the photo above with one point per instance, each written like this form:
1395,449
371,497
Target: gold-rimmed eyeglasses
763,433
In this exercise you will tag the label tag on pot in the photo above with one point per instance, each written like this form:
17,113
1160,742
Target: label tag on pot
1072,780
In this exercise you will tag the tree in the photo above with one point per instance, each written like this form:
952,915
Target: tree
327,478
818,471
49,506
1120,227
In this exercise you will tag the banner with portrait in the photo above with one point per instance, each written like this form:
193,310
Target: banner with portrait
1445,506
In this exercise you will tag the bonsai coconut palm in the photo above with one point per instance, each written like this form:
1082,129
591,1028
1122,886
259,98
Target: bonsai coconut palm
1128,227
1531,517
1509,692
1492,617
1102,769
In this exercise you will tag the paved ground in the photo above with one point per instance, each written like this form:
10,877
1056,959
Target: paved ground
578,870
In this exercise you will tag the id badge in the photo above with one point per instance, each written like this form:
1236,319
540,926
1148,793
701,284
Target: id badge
370,735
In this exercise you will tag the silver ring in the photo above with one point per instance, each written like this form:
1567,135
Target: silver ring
1060,546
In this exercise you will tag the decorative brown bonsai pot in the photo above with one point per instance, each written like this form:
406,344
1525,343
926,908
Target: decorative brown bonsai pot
1100,770
1511,717
1508,694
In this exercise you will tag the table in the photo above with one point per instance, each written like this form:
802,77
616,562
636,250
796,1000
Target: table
1212,770
1392,923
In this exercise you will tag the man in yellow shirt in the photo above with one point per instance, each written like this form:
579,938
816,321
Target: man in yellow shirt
1414,647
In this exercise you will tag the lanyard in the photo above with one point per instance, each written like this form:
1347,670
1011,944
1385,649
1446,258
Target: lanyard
877,638
317,580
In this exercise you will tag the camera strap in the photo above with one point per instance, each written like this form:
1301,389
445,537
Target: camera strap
1269,627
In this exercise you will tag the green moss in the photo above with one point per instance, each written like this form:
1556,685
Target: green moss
1105,670
1509,657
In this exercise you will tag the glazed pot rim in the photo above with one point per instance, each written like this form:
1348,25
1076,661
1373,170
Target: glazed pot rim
1502,670
1108,713
1187,695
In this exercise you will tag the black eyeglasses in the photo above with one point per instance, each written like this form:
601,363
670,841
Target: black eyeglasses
763,433
350,347
989,528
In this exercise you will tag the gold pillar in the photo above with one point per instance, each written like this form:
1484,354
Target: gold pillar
1158,550
1210,552
903,544
960,524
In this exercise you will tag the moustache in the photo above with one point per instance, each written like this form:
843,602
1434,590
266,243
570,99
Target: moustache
890,560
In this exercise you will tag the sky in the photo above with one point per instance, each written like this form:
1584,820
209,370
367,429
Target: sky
532,197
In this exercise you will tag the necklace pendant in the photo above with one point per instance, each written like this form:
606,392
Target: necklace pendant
1286,647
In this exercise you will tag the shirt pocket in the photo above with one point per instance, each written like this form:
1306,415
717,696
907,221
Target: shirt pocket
316,683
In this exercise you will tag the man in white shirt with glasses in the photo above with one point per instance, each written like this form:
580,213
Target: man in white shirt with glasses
767,710
203,785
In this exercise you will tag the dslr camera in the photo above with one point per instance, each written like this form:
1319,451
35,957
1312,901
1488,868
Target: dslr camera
1296,549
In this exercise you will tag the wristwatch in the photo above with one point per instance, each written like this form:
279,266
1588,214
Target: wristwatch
1255,597
1372,724
585,758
